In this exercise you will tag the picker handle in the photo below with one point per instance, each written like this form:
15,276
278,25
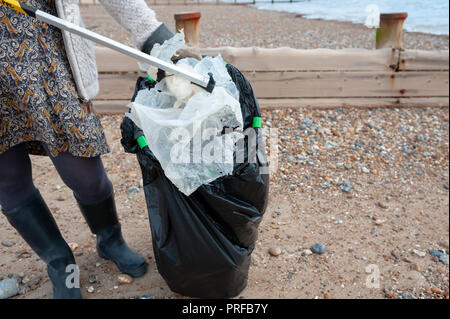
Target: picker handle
206,83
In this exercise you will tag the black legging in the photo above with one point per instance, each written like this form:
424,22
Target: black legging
86,177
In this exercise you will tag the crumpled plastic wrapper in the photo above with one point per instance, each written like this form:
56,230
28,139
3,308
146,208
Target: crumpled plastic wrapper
184,124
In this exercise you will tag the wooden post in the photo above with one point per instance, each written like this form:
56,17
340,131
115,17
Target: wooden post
189,22
389,34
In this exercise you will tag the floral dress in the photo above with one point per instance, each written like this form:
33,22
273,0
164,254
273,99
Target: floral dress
38,97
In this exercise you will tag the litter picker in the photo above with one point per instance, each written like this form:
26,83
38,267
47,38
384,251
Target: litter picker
204,82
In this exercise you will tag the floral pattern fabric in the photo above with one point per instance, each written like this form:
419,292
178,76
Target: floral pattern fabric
38,98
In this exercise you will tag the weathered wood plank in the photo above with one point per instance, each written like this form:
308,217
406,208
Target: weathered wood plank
288,59
116,86
111,61
331,103
313,84
348,84
417,60
120,106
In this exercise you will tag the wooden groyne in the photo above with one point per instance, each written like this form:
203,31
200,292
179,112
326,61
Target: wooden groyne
321,78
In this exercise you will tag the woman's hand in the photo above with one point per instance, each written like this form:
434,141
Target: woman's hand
161,34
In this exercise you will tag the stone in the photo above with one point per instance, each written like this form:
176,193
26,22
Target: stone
345,187
325,185
8,243
90,289
275,251
24,290
133,190
307,252
318,248
8,288
61,198
365,170
124,279
444,259
436,253
93,278
73,246
382,205
419,253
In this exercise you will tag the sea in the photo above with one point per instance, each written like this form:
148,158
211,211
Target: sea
427,16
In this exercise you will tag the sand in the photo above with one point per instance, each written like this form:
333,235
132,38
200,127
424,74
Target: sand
395,161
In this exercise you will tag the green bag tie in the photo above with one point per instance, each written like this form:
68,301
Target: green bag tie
142,141
150,78
257,122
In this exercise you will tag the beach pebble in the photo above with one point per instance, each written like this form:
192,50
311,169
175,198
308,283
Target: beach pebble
8,243
345,187
8,288
24,290
419,253
124,279
444,259
275,251
307,252
318,248
61,198
90,289
382,205
325,185
133,190
93,278
436,253
73,246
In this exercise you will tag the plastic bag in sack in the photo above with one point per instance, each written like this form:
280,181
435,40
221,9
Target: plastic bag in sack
203,242
183,124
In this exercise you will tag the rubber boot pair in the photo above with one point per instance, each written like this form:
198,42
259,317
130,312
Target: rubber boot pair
35,223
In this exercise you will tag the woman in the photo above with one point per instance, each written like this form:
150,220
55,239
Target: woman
48,78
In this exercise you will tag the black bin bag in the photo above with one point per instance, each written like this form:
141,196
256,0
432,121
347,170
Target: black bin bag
203,242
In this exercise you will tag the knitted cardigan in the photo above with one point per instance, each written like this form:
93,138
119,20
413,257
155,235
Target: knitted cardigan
134,15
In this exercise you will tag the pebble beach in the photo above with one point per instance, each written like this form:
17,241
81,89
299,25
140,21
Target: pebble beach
245,26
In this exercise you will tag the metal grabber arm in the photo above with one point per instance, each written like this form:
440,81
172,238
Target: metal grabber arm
204,82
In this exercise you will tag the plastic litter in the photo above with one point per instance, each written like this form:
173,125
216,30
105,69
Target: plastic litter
183,123
164,52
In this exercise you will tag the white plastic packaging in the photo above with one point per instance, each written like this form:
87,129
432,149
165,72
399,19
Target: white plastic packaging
183,123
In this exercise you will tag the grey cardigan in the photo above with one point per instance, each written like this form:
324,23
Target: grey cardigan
133,15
